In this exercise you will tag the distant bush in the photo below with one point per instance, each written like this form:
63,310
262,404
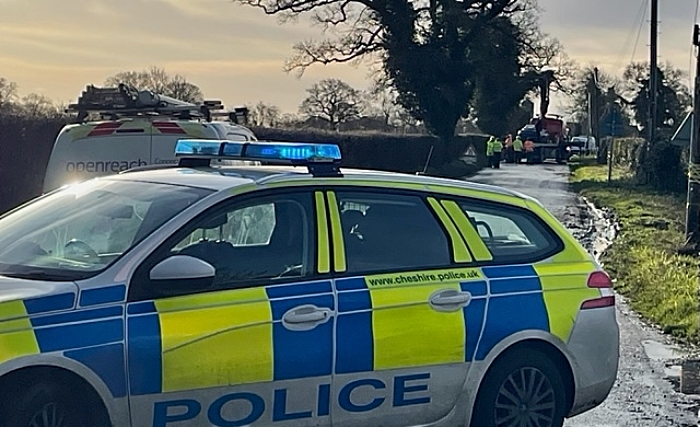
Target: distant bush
662,167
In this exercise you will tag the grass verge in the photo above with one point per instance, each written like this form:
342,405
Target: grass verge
661,285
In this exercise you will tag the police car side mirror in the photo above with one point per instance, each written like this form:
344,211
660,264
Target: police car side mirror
182,267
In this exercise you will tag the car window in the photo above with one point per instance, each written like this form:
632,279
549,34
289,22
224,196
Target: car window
267,239
512,235
247,226
79,231
385,232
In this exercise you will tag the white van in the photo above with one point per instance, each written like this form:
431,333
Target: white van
583,145
133,138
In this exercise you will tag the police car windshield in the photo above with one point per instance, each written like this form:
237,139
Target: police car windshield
79,231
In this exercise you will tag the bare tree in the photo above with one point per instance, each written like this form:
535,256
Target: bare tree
37,105
159,81
424,46
8,94
540,51
332,100
386,99
264,115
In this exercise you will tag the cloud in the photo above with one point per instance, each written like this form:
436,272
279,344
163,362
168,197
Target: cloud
60,45
236,53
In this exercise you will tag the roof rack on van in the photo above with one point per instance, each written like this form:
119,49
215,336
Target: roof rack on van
127,101
239,115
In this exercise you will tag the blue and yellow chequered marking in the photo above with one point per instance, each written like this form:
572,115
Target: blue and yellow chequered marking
544,296
92,336
515,304
48,324
226,338
386,322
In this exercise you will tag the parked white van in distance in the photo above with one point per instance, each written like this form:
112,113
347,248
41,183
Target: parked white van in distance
141,131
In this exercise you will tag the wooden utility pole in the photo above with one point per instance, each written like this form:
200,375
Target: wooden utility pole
692,218
654,43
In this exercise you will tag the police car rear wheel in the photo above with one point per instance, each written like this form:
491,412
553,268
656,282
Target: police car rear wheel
44,405
521,389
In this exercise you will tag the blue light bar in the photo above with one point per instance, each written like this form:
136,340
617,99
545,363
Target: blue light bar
199,148
275,152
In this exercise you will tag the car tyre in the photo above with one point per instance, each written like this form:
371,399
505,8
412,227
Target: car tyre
521,386
43,405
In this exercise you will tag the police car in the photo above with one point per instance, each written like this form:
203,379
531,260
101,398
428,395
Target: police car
296,294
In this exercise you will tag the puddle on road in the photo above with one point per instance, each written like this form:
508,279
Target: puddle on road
658,351
666,353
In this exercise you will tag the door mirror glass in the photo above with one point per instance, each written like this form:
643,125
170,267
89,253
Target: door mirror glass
182,267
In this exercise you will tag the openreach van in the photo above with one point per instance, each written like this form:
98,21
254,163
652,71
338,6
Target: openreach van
135,128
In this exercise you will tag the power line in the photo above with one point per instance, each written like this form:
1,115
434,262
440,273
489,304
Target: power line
639,31
641,13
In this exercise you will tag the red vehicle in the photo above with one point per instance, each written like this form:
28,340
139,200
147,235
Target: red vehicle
547,132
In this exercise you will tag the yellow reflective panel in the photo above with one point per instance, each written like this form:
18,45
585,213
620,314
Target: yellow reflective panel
475,242
564,288
16,334
216,339
578,269
459,248
409,333
323,248
336,228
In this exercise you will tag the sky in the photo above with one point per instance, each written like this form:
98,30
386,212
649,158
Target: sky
236,53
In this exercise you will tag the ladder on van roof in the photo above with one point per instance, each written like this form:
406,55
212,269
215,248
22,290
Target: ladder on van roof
127,101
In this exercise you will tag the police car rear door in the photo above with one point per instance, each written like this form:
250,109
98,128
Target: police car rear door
252,347
406,307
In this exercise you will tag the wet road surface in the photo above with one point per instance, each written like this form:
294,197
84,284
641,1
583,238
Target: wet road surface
645,392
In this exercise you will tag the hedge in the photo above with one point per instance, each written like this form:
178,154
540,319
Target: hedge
390,152
26,143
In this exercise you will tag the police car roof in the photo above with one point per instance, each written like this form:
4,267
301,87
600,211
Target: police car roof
227,177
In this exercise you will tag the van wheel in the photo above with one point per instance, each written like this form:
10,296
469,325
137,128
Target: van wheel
521,389
43,405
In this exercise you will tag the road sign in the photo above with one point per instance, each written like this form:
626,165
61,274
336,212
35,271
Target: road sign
682,136
612,122
471,151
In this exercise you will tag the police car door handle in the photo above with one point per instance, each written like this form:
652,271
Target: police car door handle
450,299
306,314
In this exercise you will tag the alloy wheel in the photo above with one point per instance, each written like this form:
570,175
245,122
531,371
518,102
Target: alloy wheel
525,399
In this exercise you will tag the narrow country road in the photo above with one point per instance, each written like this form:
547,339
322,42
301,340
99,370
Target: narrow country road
645,393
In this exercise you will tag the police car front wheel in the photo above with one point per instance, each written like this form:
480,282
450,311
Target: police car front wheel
521,389
43,405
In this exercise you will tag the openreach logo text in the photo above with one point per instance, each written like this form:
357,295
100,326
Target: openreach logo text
104,166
